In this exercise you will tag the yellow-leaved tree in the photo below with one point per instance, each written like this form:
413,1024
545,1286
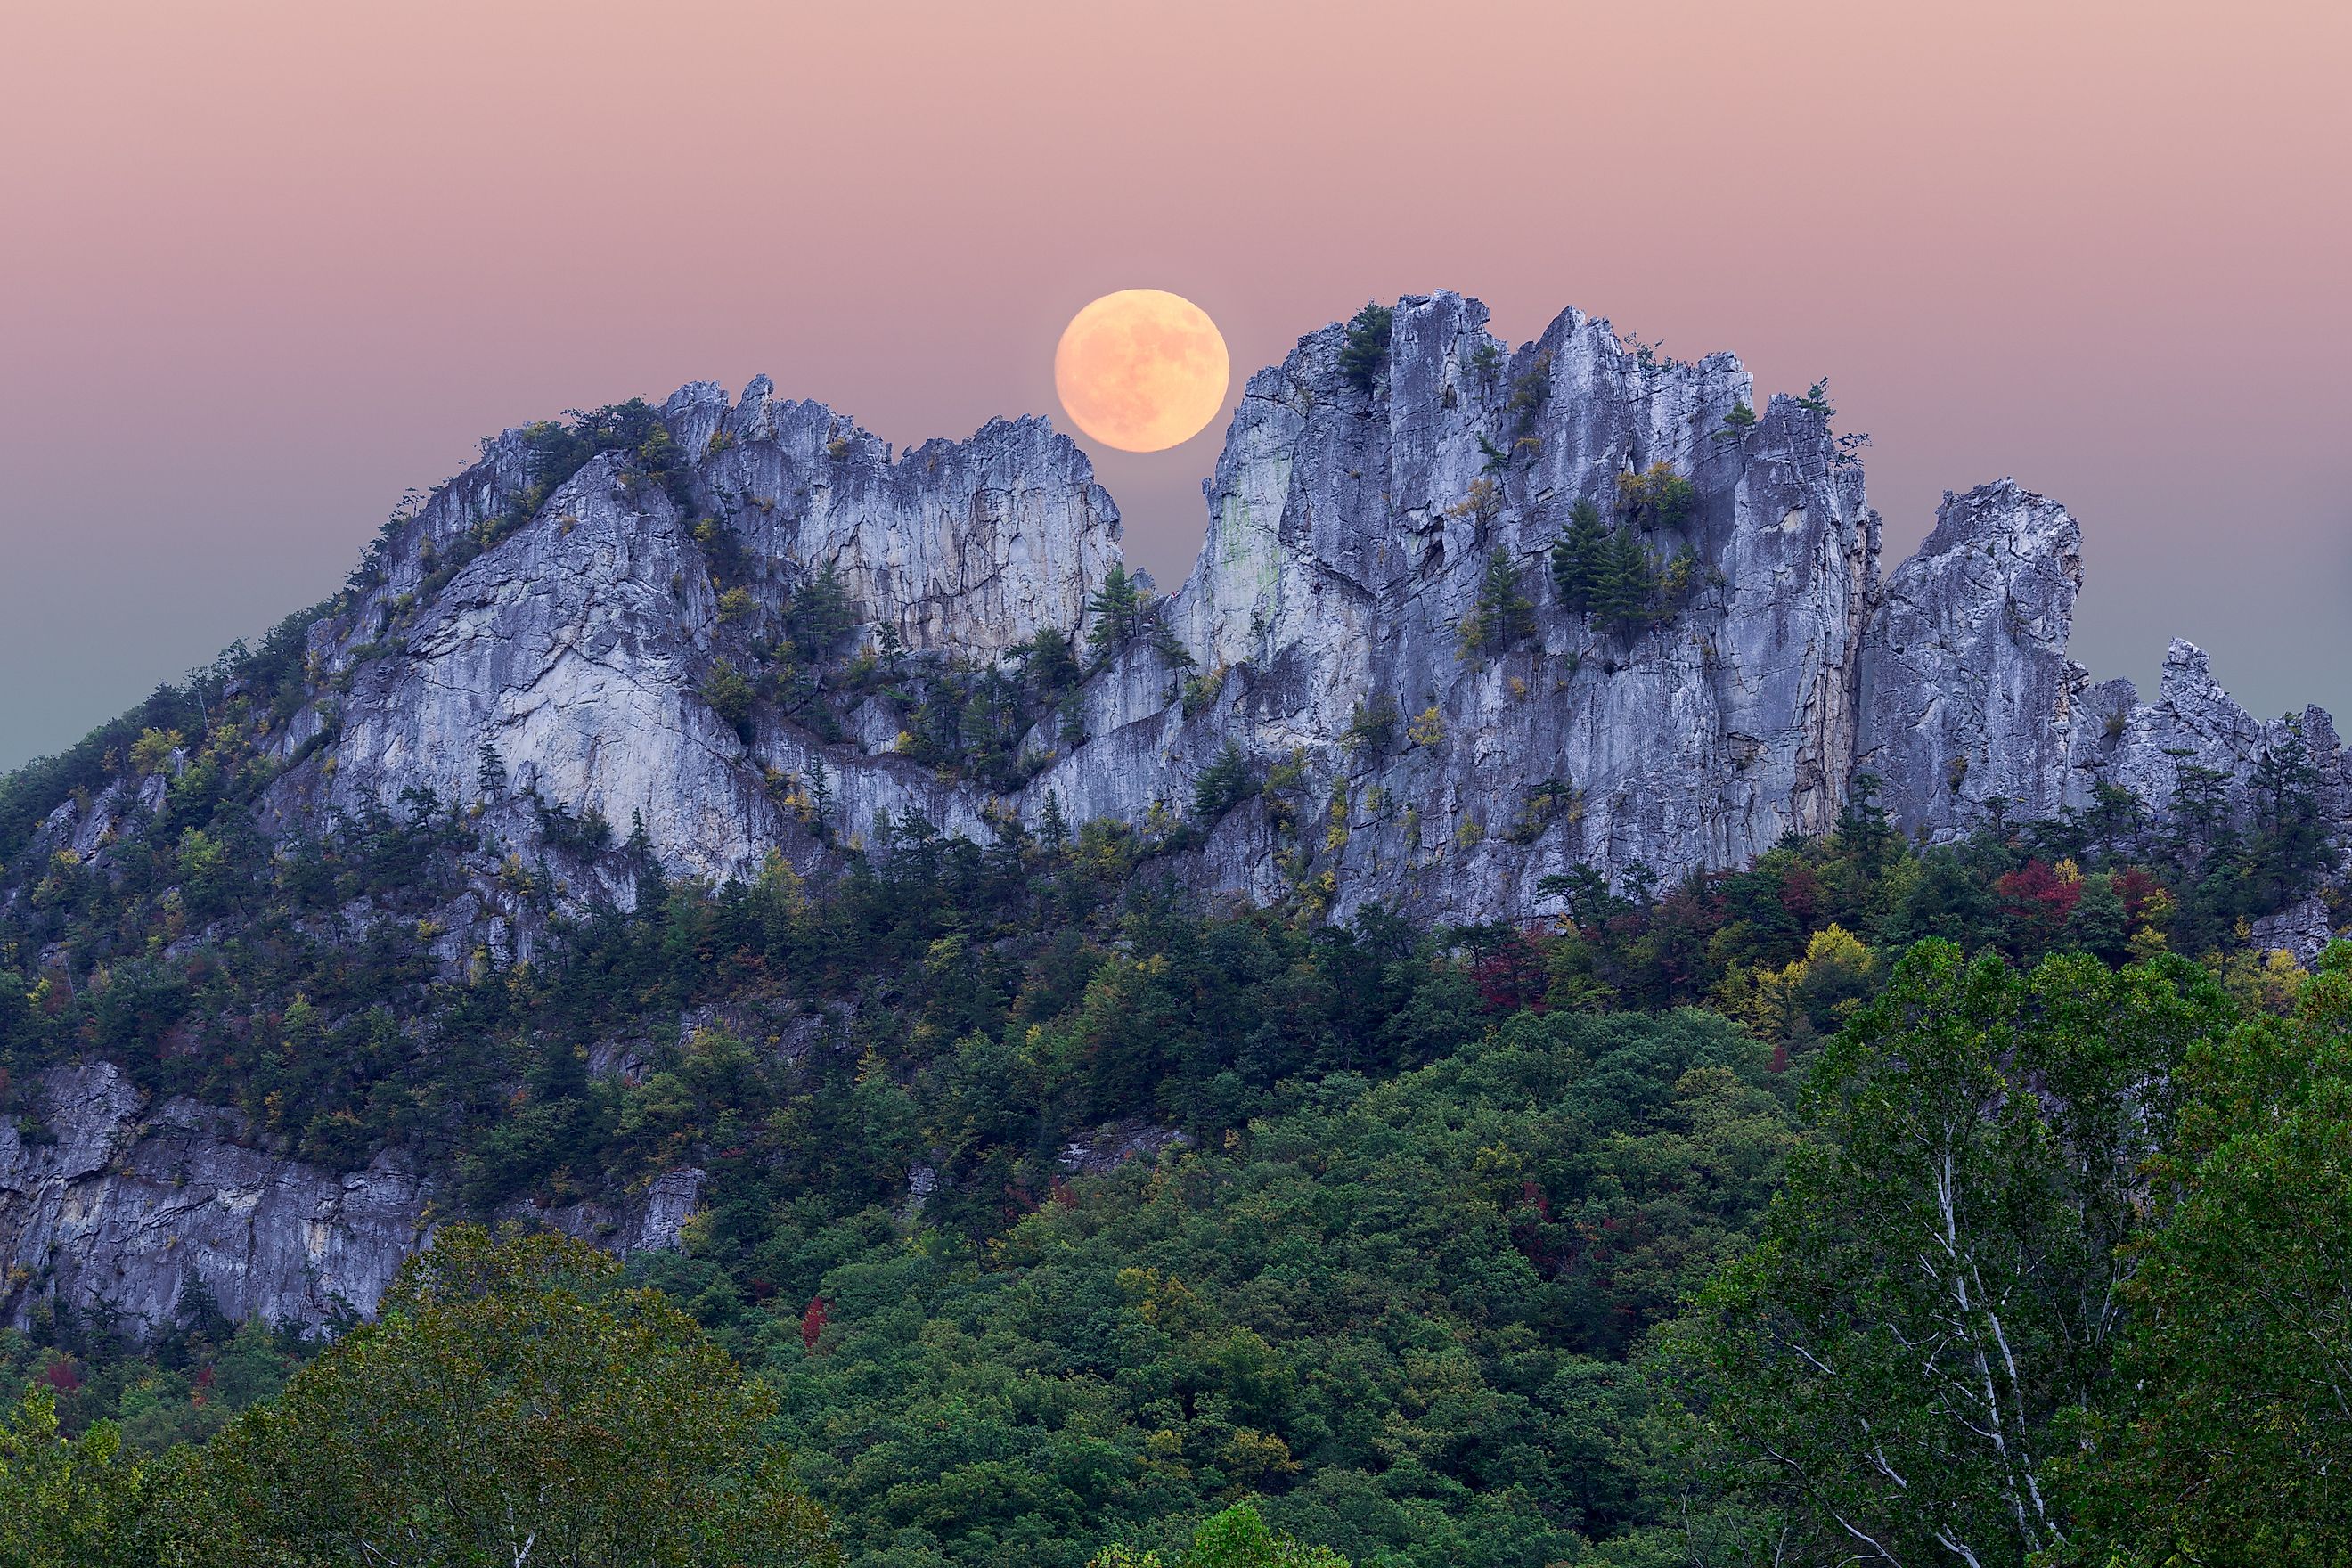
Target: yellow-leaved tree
514,1403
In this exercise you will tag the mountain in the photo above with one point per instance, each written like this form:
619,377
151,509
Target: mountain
1352,529
1467,617
572,631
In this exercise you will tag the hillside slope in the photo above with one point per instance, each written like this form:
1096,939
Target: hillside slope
1469,621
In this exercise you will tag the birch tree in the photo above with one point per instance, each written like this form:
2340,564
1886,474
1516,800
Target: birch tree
1940,1281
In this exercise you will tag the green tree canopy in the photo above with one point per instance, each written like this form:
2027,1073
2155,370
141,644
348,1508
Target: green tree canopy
64,1503
1365,352
1577,556
1118,608
513,1405
2231,1443
1237,1538
1938,1283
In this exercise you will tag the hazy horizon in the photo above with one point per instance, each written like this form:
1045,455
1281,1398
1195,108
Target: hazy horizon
270,267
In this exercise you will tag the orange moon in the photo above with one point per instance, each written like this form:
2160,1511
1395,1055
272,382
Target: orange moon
1141,370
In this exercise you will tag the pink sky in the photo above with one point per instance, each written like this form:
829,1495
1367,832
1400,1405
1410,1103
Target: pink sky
267,264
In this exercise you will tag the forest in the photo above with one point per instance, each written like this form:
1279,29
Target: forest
1978,1203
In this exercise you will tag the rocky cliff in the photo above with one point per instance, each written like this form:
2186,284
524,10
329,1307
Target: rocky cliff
744,629
1967,705
1351,528
119,1208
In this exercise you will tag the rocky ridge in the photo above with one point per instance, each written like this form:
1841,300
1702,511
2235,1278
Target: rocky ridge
1420,742
1351,530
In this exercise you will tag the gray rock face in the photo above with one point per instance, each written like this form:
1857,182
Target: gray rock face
1351,528
1969,704
964,546
2193,724
576,649
1966,692
1332,633
1349,534
125,1207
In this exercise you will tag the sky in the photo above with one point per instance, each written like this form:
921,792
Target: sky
264,266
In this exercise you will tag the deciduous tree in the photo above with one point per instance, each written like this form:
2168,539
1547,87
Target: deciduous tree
514,1405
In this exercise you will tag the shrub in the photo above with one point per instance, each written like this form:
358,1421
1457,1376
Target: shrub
1480,505
587,834
1370,727
1201,689
1547,803
1222,784
1366,349
1679,579
1657,496
152,751
1530,390
730,695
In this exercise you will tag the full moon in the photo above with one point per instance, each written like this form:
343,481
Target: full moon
1141,370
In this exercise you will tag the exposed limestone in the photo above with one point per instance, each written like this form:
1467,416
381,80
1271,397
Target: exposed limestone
1349,536
1969,706
1966,692
118,1209
1106,1149
573,663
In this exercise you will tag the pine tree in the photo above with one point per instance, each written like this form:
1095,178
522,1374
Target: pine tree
1049,662
1366,349
1626,582
1222,784
819,615
1053,829
2288,849
820,798
651,885
1577,557
1505,615
489,772
1118,610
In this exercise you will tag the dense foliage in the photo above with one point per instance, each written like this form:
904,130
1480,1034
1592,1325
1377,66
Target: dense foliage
1937,1286
1399,1312
2232,1435
1364,351
513,1403
1051,1214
